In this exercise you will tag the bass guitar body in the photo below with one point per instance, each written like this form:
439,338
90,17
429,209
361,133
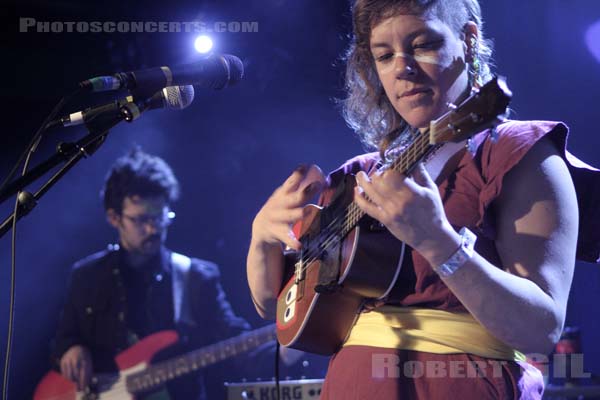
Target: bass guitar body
137,376
54,386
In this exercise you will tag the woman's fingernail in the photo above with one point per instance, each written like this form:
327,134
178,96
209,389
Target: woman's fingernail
302,168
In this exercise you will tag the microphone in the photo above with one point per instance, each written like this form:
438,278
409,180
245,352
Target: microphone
172,97
214,72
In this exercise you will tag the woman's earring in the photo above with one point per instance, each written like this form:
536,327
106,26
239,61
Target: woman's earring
474,65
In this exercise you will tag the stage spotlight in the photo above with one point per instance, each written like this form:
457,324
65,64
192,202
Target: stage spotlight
592,39
203,44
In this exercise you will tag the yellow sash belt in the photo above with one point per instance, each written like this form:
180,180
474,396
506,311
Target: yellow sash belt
428,330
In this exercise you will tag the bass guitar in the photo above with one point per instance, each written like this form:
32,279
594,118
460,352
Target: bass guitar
137,375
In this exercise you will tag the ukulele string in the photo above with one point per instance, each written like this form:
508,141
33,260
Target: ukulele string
353,213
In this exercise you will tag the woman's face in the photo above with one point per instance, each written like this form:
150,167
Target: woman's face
421,64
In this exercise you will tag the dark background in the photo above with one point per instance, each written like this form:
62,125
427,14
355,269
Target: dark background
231,148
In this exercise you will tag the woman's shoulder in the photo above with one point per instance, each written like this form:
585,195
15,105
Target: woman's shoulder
531,127
515,134
501,150
363,162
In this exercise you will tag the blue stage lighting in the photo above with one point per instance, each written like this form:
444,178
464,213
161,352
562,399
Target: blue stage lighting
203,44
592,38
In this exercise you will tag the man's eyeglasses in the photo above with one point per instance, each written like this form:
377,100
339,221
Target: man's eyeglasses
160,221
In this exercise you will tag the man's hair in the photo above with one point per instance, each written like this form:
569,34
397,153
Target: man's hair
138,173
366,108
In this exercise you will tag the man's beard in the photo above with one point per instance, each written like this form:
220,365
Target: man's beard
151,244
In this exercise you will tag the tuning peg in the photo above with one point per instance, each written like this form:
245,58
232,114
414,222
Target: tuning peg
451,106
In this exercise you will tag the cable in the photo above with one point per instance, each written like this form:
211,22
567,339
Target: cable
277,346
27,154
11,301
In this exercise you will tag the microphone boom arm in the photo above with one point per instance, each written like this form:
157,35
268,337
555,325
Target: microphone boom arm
70,153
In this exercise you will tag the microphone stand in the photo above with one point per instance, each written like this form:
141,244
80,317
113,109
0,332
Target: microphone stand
98,128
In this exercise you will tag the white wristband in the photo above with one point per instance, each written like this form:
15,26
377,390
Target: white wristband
461,256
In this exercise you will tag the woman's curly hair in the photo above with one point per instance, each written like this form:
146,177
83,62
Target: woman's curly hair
366,109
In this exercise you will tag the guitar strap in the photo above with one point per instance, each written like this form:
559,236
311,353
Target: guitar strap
180,268
451,165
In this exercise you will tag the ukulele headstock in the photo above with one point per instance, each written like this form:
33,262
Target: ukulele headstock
482,110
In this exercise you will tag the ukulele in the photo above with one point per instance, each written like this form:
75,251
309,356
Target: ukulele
334,275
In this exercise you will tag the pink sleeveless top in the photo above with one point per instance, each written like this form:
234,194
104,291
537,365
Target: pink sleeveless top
468,194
